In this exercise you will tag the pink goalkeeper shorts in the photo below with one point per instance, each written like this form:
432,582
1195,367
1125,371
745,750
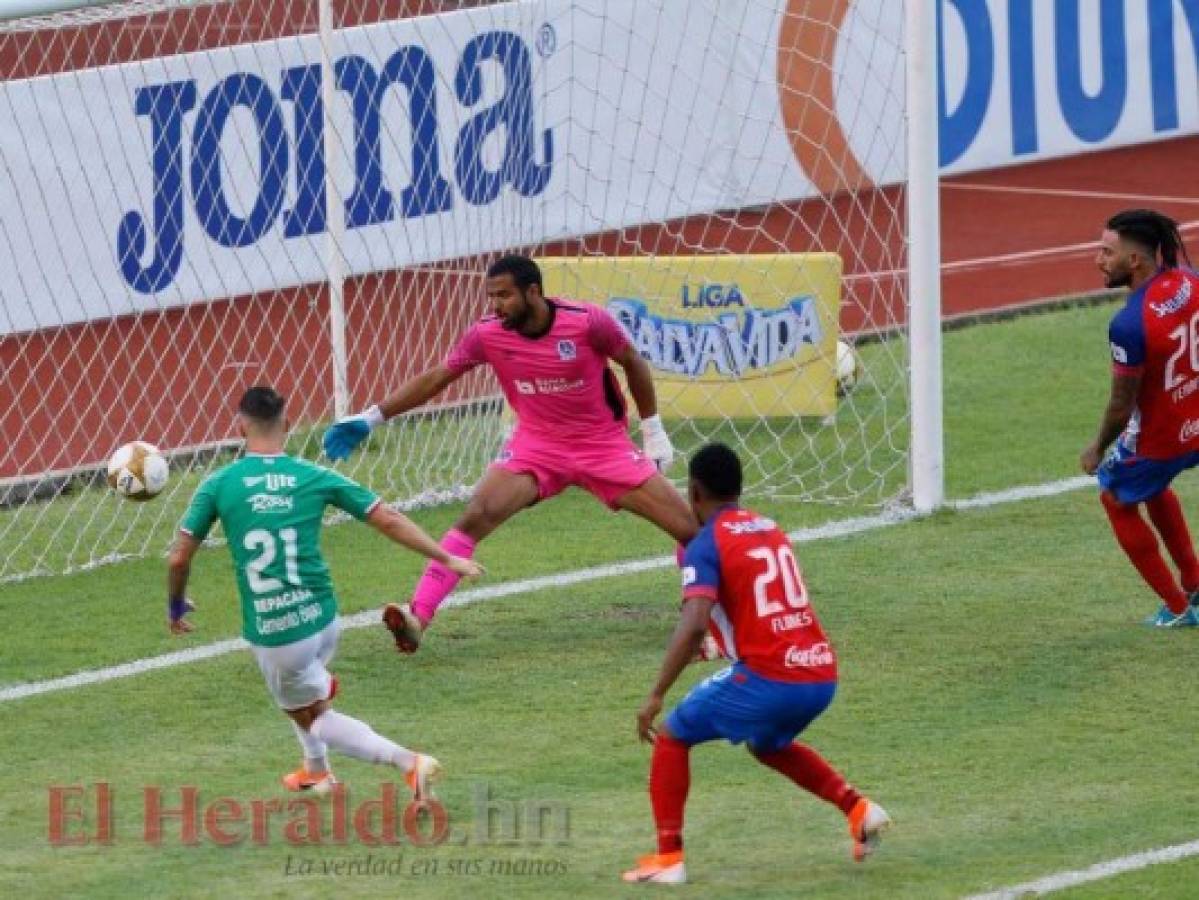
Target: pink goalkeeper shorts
608,469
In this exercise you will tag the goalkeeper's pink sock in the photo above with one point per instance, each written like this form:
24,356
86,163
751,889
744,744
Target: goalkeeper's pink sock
439,581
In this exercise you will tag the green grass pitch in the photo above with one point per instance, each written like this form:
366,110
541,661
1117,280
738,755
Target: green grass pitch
997,696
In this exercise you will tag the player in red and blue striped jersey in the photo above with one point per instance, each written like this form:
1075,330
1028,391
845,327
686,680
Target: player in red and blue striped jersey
742,581
1152,415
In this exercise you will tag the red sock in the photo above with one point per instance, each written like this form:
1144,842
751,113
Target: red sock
1166,514
808,769
669,781
1140,543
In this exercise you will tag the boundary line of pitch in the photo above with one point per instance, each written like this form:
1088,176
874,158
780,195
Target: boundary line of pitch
1098,872
836,529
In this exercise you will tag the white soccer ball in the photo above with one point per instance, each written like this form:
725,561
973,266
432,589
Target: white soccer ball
138,471
849,368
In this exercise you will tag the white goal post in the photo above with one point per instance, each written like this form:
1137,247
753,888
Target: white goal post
199,196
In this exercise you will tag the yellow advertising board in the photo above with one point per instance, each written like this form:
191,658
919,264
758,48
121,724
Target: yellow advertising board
737,336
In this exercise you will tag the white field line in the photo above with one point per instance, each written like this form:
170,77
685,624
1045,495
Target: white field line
1140,199
842,528
1097,872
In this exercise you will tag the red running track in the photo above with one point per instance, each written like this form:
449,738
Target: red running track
1013,236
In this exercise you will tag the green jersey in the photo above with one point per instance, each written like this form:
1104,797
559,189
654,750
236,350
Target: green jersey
271,509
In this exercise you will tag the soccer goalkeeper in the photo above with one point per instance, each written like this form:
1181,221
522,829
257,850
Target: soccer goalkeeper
551,358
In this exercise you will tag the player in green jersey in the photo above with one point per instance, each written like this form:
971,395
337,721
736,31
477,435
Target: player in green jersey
270,506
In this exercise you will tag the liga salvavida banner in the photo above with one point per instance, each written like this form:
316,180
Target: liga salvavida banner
195,177
739,335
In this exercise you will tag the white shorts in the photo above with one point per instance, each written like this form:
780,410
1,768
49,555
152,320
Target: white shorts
295,673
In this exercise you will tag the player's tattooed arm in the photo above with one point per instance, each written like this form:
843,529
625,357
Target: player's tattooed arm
1121,404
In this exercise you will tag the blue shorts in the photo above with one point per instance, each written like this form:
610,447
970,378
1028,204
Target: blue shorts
740,706
1134,479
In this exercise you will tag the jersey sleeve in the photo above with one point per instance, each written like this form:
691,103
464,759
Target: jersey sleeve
1126,335
701,567
348,495
604,332
202,511
467,353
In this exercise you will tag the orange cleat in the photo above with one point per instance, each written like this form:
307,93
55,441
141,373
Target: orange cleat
867,822
303,780
658,868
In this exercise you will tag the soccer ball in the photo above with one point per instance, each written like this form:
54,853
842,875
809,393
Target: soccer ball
849,368
138,471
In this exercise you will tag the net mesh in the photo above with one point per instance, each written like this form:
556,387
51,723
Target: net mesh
180,193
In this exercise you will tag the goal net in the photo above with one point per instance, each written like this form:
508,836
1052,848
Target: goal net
201,196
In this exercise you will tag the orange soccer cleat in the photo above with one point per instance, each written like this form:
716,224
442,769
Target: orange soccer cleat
303,780
658,868
867,822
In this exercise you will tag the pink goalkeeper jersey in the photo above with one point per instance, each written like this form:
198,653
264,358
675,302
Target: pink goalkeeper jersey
559,384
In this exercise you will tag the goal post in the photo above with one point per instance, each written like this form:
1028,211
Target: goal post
924,256
200,196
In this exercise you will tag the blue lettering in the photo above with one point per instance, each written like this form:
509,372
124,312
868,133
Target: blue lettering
302,86
526,164
370,201
1091,118
731,348
427,192
216,218
711,295
165,104
513,113
1163,76
959,128
1024,85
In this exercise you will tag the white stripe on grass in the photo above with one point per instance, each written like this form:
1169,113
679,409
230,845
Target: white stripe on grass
841,528
1097,872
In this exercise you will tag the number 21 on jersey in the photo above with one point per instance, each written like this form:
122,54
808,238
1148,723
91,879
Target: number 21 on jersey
266,545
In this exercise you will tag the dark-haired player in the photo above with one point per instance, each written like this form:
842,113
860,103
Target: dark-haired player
742,581
1152,413
270,506
551,357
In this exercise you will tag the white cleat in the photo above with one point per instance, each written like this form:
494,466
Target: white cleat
421,777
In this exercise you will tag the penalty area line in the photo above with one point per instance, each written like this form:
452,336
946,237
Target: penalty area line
1097,872
370,617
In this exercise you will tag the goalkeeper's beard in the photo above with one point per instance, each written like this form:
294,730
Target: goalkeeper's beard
517,320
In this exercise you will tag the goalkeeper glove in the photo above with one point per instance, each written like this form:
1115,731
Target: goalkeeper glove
656,442
177,610
346,434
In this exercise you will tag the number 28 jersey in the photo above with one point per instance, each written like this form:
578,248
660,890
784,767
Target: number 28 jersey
271,509
762,615
1156,335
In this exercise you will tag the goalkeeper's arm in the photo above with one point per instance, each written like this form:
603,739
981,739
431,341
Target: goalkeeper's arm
346,434
655,440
